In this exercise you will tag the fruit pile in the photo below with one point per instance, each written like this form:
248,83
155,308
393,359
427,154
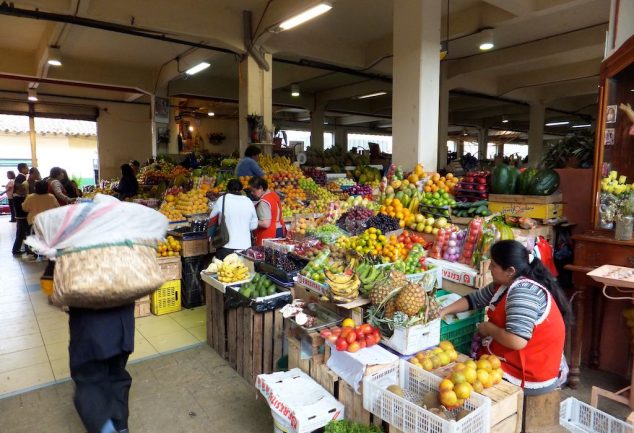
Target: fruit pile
395,209
467,377
309,250
428,224
369,274
344,182
171,247
615,184
437,183
383,222
293,199
352,338
411,240
435,357
354,221
319,176
371,242
316,267
413,264
170,211
280,171
259,287
230,270
191,202
344,287
362,190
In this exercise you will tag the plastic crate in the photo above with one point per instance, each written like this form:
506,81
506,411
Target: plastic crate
580,417
407,416
167,298
460,333
192,286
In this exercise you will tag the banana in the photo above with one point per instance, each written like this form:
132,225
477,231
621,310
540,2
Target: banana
338,278
346,290
363,271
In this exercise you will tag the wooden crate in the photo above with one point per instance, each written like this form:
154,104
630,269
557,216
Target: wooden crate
556,197
251,342
195,247
171,267
142,307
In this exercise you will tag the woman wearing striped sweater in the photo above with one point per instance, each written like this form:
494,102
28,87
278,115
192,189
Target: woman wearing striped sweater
527,312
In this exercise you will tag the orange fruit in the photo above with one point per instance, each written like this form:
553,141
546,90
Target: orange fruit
484,364
495,361
445,385
457,377
471,363
470,375
477,386
462,390
445,345
459,367
448,399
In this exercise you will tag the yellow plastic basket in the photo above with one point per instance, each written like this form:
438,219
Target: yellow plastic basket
166,299
46,284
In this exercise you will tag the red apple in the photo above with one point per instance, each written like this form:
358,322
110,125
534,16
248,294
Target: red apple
354,347
341,344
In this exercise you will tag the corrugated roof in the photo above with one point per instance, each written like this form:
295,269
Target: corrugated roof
20,124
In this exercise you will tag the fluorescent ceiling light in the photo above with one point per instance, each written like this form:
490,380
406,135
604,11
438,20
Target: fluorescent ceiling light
372,95
486,39
211,114
307,15
32,95
196,69
54,56
294,90
557,123
585,125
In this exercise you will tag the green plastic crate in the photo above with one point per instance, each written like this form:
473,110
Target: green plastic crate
460,333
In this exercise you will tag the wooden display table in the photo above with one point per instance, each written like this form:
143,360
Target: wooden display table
592,249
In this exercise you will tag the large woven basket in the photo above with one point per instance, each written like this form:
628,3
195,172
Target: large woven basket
106,276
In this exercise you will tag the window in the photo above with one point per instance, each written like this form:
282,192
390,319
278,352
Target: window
362,141
451,146
519,149
492,150
304,137
470,147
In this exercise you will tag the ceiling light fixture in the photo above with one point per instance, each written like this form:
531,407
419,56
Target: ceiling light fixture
372,95
558,123
54,56
196,69
211,114
295,90
486,39
505,119
585,125
32,95
191,129
302,17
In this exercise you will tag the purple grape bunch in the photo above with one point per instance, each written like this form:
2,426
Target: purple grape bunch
360,190
354,221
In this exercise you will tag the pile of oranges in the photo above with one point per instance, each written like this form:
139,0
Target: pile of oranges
293,198
244,180
171,247
441,183
394,208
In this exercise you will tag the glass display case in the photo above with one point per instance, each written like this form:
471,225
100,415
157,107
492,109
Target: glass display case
614,150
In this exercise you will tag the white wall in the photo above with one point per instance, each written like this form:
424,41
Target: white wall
229,127
623,25
123,133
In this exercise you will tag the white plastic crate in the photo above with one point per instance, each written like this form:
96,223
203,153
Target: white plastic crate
405,415
413,339
579,417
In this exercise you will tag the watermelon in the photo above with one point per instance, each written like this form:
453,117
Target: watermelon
504,179
545,182
526,179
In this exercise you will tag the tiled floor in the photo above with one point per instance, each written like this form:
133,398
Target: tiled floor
34,334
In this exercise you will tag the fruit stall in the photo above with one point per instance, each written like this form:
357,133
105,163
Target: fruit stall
351,297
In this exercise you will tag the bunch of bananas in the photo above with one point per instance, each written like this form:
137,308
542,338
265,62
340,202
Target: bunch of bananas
369,276
232,272
344,287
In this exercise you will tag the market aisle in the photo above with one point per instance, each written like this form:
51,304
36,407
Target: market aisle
193,391
34,338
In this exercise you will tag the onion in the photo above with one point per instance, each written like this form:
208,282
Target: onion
453,236
452,243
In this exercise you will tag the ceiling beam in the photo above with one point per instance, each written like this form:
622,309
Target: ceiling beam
515,7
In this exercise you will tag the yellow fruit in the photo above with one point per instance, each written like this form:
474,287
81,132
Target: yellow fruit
477,386
348,322
472,364
448,399
445,385
463,391
497,376
414,361
459,367
435,361
453,355
420,356
428,364
444,358
470,375
446,345
484,364
483,376
457,377
495,361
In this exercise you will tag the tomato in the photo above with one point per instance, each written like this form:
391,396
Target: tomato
362,344
345,331
358,328
367,328
354,347
360,335
341,344
377,335
333,338
370,341
351,337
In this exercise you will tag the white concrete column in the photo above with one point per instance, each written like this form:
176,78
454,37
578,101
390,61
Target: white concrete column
32,138
536,133
443,117
416,73
483,140
317,129
255,97
460,147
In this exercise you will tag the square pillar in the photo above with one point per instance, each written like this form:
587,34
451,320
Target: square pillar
416,73
536,133
443,117
255,97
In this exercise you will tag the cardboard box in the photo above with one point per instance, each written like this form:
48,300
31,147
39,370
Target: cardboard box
321,289
408,341
298,403
528,210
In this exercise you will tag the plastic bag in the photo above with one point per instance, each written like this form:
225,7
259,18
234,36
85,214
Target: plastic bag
104,221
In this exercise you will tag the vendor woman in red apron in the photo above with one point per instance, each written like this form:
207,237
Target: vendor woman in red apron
269,210
527,312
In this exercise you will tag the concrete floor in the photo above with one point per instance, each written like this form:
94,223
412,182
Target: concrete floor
193,391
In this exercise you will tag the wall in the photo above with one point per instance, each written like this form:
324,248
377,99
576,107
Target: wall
124,133
74,154
229,127
623,26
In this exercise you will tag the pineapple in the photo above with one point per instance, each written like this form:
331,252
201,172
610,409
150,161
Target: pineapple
390,309
387,288
411,300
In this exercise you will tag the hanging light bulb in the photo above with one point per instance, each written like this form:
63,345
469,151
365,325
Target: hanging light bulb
486,39
32,95
54,56
295,90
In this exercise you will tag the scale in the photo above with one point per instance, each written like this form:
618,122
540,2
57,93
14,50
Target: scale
617,277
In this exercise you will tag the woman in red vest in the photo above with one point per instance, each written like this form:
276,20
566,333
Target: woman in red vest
269,210
527,312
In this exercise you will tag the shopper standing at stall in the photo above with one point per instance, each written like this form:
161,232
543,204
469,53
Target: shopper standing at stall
23,171
269,211
128,185
22,228
56,188
527,312
248,166
8,188
239,216
34,177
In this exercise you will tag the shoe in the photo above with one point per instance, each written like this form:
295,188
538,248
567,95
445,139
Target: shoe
13,221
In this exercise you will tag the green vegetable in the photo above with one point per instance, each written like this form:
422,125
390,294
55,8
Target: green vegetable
545,182
504,179
345,426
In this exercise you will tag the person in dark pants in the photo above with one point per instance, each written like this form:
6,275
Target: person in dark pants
23,228
100,343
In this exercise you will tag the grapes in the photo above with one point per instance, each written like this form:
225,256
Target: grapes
383,222
354,221
360,190
319,176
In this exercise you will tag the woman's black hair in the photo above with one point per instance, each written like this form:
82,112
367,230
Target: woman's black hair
55,172
41,187
126,170
252,151
234,186
509,253
258,182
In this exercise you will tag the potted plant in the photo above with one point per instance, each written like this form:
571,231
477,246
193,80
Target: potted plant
572,151
216,138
